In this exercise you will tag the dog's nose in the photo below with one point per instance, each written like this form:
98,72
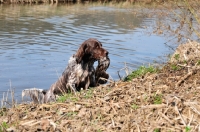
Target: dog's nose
107,53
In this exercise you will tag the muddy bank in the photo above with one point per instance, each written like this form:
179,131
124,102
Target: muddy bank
167,100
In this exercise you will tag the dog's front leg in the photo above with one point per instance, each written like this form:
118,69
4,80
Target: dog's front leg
92,80
72,87
87,82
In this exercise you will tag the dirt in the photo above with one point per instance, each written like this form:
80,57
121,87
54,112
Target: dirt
168,100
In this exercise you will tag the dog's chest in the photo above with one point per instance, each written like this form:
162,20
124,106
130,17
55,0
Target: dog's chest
80,71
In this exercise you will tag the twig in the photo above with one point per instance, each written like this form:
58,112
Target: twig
29,122
191,120
138,128
106,79
113,123
184,66
154,106
195,110
125,68
3,100
12,94
33,124
176,108
62,117
83,103
119,75
166,118
183,78
7,103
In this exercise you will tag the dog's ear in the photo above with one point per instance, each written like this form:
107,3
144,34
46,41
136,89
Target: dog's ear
81,51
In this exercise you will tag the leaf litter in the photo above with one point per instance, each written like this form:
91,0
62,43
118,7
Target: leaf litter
167,100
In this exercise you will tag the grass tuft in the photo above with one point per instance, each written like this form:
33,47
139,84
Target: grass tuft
156,130
89,93
187,128
67,97
134,106
142,70
157,99
175,67
177,56
3,126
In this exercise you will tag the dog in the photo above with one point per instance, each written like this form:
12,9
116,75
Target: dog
79,73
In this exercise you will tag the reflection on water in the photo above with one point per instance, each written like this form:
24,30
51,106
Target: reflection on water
37,41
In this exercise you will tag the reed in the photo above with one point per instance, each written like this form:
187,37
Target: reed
8,99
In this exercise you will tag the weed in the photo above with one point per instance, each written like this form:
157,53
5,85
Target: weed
3,111
156,130
65,97
3,126
134,106
175,67
99,130
157,99
185,62
187,128
177,56
89,93
198,62
61,99
140,72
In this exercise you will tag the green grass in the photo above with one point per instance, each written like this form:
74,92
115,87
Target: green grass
142,70
134,106
198,62
3,126
176,56
157,99
156,130
99,130
65,97
175,67
187,129
89,93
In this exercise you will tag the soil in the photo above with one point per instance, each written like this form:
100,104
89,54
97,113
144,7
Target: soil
168,100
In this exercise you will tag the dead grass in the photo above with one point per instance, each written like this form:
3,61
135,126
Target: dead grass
155,102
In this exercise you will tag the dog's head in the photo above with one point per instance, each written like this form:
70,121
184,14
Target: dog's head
91,49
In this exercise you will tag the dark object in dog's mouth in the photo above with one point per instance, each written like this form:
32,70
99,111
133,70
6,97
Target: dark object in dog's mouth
100,74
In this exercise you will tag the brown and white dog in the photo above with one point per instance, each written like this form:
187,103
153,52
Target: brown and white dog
80,71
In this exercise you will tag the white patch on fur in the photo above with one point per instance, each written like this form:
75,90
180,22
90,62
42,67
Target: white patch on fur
35,94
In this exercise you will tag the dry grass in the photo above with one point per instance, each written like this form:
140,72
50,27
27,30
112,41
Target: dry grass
163,101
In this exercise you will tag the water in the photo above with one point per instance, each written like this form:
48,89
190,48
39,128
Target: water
36,41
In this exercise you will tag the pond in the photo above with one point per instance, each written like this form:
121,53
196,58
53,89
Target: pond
36,41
